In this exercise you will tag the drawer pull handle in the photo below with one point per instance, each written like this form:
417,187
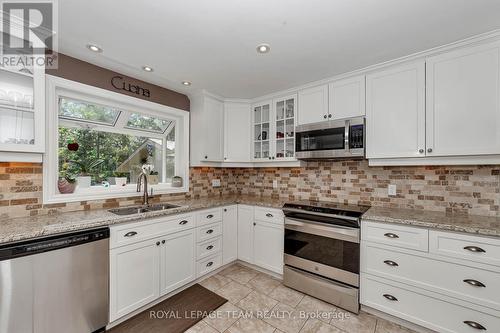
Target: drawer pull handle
183,222
475,325
390,297
209,231
130,234
475,249
210,264
391,235
210,247
391,263
269,215
474,283
209,216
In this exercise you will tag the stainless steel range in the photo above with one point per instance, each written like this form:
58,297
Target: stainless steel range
322,251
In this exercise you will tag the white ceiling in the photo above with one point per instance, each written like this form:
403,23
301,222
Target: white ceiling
212,42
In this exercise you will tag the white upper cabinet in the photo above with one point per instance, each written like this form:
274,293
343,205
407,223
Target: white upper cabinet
237,132
313,105
22,109
283,143
395,112
463,102
213,119
261,130
347,98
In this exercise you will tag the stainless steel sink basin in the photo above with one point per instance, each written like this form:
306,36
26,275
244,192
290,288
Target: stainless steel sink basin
141,209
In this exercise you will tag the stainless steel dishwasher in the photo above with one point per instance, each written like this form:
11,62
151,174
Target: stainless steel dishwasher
57,284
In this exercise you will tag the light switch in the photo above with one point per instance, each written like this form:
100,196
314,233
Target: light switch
391,189
215,182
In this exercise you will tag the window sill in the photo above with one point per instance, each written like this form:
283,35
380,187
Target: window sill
112,192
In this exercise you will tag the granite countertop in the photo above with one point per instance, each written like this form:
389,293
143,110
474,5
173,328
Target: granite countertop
16,229
472,224
22,228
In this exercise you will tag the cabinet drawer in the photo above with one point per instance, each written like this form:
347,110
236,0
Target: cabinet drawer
475,248
209,231
208,216
207,265
131,233
209,247
269,215
472,284
424,310
395,235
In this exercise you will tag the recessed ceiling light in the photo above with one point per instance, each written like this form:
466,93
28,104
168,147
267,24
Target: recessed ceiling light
186,83
94,48
147,68
263,48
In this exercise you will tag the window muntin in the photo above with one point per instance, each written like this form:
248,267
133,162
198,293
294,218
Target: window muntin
147,123
89,112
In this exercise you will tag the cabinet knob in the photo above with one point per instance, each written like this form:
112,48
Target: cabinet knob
429,150
225,158
206,156
421,151
273,157
158,243
225,209
475,325
390,297
254,224
269,157
324,116
163,241
329,116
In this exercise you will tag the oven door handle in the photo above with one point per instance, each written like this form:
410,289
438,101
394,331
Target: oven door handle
343,217
330,231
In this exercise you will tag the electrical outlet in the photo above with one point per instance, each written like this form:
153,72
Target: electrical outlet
391,189
215,182
275,183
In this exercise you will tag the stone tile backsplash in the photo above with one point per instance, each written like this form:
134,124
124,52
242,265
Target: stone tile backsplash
458,189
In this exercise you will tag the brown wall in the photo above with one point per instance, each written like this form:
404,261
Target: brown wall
87,73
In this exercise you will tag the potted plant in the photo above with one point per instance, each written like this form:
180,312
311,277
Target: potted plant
153,178
66,183
119,179
85,167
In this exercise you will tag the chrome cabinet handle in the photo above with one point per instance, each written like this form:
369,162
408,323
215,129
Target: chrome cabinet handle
475,249
391,263
210,247
391,235
390,297
209,216
210,264
130,234
209,231
269,215
475,325
183,222
475,283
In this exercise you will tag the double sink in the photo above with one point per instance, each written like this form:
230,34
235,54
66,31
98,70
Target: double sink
142,209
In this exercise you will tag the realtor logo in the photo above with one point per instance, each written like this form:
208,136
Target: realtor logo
28,29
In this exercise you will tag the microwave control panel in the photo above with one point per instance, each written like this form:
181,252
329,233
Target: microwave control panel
356,136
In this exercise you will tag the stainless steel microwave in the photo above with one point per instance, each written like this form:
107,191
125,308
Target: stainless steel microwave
331,139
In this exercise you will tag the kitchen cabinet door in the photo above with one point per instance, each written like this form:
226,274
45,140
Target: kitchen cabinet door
177,260
213,122
268,246
134,277
347,98
261,136
463,102
395,112
284,128
313,105
245,233
237,132
229,234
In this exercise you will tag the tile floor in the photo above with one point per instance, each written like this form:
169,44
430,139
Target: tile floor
258,302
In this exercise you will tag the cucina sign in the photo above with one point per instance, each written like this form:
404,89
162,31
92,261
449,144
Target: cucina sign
118,82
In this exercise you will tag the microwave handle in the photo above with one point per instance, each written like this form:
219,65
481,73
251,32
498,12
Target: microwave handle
346,135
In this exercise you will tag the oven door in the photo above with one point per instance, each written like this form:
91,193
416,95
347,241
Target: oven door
326,250
322,140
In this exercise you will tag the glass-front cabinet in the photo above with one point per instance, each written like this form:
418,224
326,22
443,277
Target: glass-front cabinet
274,129
22,109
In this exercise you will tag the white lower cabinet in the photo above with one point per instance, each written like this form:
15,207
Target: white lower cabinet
134,277
268,246
229,234
448,286
261,242
177,261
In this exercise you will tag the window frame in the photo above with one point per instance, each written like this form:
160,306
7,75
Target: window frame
58,87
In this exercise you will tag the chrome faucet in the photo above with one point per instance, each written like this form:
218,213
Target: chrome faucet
145,196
